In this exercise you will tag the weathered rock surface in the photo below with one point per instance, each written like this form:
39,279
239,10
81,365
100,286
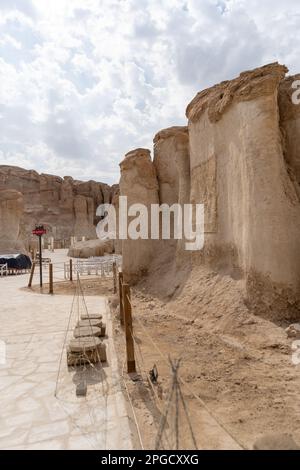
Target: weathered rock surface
86,331
86,349
11,212
172,163
91,316
250,85
115,202
293,331
290,127
240,159
139,183
166,143
88,248
90,322
239,172
66,207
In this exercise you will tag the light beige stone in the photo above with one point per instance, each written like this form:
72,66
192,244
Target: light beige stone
11,211
90,248
66,207
240,173
172,163
139,183
81,332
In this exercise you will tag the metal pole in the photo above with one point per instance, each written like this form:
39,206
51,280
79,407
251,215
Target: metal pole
41,264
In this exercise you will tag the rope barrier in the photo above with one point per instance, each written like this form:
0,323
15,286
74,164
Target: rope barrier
143,372
78,307
132,407
203,404
159,403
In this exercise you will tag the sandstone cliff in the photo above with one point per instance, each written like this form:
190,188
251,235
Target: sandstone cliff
172,164
240,173
240,158
11,211
66,207
163,181
139,183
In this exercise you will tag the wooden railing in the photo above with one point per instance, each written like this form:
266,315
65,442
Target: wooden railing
126,318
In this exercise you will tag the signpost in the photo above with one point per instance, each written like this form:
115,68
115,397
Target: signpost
39,231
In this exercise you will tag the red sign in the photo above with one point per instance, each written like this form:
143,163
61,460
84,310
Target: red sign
39,231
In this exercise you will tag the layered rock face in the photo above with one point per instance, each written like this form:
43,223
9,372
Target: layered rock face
11,211
290,126
66,207
165,143
239,157
166,180
241,166
172,164
115,202
139,183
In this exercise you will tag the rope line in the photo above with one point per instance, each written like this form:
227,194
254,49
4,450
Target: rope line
203,404
132,407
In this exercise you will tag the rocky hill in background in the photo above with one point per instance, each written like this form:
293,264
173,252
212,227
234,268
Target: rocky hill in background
67,207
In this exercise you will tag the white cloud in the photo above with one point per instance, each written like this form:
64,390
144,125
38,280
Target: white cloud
84,81
7,40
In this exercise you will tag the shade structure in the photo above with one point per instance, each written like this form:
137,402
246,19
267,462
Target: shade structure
15,261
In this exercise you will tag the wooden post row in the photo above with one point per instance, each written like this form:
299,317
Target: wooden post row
31,274
114,267
128,329
50,278
121,298
71,270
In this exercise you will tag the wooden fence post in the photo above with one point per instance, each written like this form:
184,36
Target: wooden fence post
71,270
121,298
114,267
128,330
31,274
50,278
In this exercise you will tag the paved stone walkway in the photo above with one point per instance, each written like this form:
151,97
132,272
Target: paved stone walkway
33,327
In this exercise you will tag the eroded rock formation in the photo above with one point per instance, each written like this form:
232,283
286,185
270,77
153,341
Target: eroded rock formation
172,163
90,248
240,158
166,180
290,127
11,211
139,183
239,172
66,206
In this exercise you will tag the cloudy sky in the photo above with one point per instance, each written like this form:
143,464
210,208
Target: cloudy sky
84,81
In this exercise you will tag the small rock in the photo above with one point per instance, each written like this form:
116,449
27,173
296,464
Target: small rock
293,331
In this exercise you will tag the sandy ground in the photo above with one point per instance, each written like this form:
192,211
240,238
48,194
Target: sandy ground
33,327
237,364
